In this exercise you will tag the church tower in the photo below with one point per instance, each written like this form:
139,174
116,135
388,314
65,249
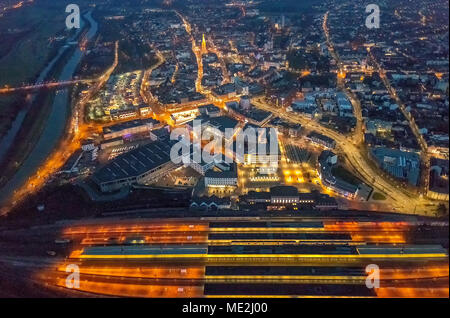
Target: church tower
204,49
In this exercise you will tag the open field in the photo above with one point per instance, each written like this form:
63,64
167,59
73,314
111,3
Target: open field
30,41
33,34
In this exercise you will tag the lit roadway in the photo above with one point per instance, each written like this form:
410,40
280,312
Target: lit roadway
14,6
161,114
412,124
198,56
358,133
144,91
351,147
354,155
225,74
80,107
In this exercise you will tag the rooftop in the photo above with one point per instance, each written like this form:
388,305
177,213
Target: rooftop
223,122
135,162
327,139
401,164
284,191
129,124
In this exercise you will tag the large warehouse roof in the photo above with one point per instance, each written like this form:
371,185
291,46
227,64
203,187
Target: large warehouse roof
135,162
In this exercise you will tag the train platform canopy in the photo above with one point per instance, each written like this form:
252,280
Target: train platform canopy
143,250
411,250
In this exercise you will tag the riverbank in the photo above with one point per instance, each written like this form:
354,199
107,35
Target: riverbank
53,127
27,136
7,139
33,123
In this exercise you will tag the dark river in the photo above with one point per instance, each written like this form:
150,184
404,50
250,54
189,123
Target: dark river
55,123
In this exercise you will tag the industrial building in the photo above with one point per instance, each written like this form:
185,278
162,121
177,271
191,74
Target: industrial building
327,160
401,164
141,165
286,197
257,151
138,126
224,175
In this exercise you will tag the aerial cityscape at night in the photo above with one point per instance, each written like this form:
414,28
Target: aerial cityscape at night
224,149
